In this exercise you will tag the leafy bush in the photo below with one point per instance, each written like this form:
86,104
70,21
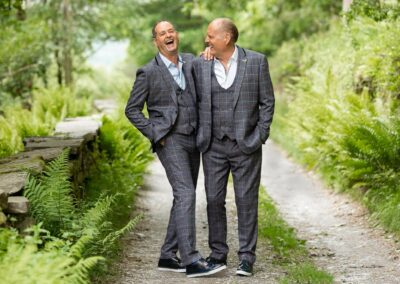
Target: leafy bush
39,258
122,160
374,9
48,107
24,52
340,106
80,232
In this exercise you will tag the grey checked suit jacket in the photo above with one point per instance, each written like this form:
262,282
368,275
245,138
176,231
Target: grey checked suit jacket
253,103
154,86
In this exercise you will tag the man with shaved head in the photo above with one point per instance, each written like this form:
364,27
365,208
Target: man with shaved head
166,86
236,106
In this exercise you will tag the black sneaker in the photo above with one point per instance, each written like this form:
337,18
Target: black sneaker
213,260
171,264
203,268
245,268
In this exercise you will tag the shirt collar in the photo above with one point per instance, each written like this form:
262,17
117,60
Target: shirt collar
168,62
234,57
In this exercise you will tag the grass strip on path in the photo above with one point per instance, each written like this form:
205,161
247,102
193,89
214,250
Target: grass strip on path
290,252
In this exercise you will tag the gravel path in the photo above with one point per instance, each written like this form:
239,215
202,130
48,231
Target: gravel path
336,229
142,246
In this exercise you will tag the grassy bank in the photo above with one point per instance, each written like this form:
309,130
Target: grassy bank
290,252
338,109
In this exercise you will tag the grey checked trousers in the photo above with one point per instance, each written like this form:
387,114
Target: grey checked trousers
181,161
223,157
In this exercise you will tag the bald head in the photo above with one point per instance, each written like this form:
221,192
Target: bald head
154,29
226,25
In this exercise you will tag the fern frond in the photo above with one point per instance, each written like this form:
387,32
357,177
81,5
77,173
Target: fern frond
96,215
81,271
76,251
51,195
111,238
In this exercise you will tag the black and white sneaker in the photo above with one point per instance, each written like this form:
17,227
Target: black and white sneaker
203,268
171,264
213,260
245,268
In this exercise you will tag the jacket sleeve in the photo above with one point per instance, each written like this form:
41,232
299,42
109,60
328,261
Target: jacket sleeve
266,100
135,105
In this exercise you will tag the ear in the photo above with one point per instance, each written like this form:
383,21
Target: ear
227,38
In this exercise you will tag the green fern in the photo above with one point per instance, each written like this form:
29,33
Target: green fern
112,238
80,273
94,217
49,106
51,195
373,154
23,261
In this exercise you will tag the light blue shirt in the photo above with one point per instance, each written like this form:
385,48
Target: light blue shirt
176,72
226,77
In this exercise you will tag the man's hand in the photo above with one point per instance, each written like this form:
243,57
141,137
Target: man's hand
207,54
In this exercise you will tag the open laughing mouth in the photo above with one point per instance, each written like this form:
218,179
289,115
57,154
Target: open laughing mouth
169,43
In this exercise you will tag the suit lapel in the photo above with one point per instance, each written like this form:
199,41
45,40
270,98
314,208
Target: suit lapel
167,77
207,65
188,77
242,62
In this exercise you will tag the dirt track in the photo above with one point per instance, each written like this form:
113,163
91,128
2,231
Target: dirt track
336,229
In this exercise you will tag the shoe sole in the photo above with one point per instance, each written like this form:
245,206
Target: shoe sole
207,273
243,273
180,270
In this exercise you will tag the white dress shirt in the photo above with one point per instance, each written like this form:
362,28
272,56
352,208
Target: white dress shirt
175,71
226,77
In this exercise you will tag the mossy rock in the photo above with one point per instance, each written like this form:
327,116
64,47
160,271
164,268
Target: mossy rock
32,165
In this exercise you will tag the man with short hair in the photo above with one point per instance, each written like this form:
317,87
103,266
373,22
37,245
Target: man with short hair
166,86
236,106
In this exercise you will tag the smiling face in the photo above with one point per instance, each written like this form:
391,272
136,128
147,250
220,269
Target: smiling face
166,39
217,39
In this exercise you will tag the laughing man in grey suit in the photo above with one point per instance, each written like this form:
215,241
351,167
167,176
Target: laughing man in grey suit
236,105
166,85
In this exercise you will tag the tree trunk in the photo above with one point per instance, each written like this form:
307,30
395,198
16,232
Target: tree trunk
59,66
66,53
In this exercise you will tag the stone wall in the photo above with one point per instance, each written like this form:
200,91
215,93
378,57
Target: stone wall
78,134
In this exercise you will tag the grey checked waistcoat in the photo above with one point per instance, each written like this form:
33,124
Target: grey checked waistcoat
222,109
186,121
